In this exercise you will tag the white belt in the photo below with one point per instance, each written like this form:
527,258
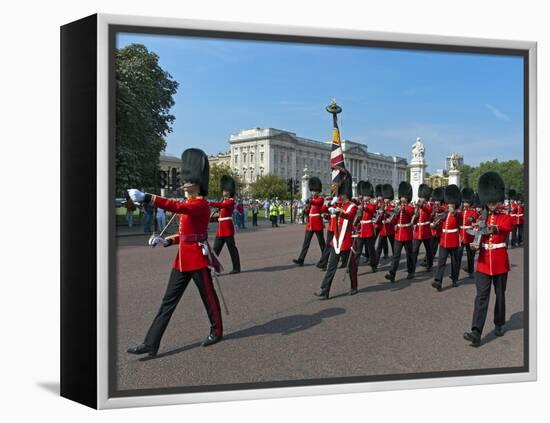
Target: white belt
494,246
221,219
333,216
355,235
366,221
465,227
423,223
315,214
403,225
447,231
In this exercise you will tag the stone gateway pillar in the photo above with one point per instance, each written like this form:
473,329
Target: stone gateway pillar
417,167
305,186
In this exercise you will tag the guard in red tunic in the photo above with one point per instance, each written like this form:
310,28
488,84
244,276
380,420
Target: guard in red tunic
366,233
377,222
332,220
449,240
422,233
342,241
469,217
403,232
226,231
517,219
315,223
438,209
492,264
387,229
193,258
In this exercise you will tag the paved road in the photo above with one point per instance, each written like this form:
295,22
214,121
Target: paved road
277,330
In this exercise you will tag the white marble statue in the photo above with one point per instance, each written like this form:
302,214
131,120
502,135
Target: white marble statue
418,150
454,161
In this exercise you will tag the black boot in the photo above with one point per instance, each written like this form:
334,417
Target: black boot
437,284
454,283
212,339
499,330
234,271
298,262
474,337
143,349
323,295
390,277
353,291
410,276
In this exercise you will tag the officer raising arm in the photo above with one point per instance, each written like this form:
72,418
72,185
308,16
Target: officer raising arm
193,258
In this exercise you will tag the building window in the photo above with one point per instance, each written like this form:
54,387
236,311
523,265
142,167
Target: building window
236,159
251,157
244,157
262,156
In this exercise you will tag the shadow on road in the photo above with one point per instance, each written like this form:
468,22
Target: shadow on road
288,325
515,323
51,387
275,268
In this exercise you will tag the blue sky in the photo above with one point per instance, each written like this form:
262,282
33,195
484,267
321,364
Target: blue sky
466,103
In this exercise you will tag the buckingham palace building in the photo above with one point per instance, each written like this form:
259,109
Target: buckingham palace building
261,151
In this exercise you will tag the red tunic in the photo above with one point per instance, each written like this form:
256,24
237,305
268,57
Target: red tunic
516,213
450,237
367,221
194,217
469,216
225,221
315,221
493,252
387,229
403,225
332,217
345,226
422,228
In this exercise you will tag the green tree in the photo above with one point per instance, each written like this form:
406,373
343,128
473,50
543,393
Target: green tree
511,171
269,186
216,172
465,176
144,96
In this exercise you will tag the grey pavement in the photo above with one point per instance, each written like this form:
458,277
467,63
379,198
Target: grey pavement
278,331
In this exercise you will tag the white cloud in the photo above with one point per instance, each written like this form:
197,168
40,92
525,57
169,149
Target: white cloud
497,113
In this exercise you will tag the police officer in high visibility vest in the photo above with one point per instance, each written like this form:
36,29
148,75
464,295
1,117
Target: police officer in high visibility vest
274,214
281,211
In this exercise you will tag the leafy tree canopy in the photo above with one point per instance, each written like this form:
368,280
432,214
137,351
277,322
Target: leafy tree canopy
216,173
511,172
144,97
269,186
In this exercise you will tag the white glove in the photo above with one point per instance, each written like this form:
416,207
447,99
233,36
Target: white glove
333,210
334,201
155,240
136,195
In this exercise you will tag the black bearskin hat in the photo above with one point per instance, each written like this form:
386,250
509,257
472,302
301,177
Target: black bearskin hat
405,190
378,190
227,183
438,194
452,195
424,191
490,188
519,197
468,195
475,201
365,188
345,188
512,194
315,184
195,168
387,192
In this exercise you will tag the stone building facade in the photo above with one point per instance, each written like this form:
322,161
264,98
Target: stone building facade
260,151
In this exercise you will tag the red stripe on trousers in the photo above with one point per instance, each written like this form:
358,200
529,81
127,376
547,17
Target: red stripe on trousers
210,295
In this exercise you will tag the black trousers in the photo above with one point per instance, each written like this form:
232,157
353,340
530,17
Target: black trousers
176,287
307,241
233,252
435,246
442,263
517,235
416,243
383,245
368,245
281,218
397,247
333,260
274,221
254,219
470,256
326,251
483,293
